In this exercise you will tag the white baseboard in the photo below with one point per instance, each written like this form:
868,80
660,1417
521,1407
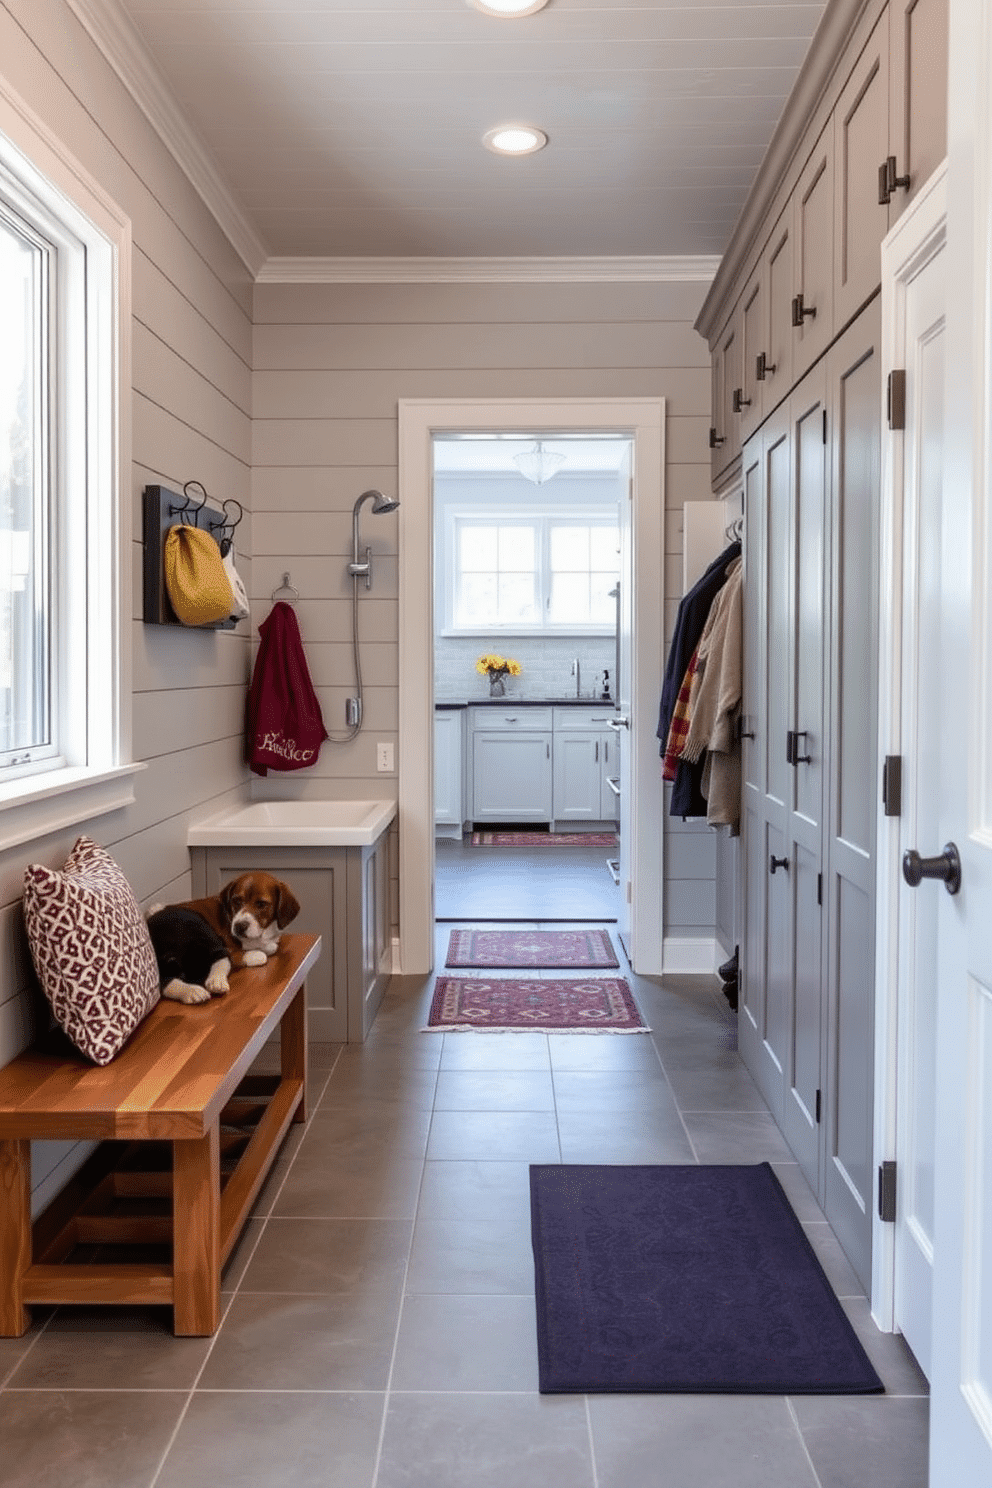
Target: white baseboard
689,956
396,968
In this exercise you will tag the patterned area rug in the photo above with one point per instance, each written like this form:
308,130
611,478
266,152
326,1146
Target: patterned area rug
544,839
575,949
575,1005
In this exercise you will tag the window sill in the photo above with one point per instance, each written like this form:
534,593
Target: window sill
65,798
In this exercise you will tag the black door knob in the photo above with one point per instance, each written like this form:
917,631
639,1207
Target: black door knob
778,863
946,867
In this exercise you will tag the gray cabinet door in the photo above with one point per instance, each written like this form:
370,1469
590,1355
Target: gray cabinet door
861,146
804,748
854,372
813,207
778,352
754,340
918,92
577,776
764,1005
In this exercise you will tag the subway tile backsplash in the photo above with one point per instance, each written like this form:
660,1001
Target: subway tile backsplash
546,666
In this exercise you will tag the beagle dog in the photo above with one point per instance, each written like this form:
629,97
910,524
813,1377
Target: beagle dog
197,943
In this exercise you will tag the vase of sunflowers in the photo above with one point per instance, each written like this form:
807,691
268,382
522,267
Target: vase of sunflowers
498,668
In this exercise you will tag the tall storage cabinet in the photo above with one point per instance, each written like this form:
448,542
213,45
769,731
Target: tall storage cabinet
805,281
811,482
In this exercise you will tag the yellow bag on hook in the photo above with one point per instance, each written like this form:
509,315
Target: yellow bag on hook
197,584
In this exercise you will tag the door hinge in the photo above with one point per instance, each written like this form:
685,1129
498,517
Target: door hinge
819,889
887,1191
892,785
895,399
824,426
819,1106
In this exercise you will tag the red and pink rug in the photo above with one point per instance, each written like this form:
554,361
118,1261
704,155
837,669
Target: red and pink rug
575,1005
544,839
578,950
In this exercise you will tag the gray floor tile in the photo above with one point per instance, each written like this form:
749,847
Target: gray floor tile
498,1191
805,1207
485,1441
330,1256
619,1051
494,1090
275,1441
838,1268
111,1348
237,1261
90,1439
292,1342
509,1136
459,1256
638,1091
875,1439
367,1128
628,1137
495,1051
715,1089
466,1343
697,1441
736,1137
352,1185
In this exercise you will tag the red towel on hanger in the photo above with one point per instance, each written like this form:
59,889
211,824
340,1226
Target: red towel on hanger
284,726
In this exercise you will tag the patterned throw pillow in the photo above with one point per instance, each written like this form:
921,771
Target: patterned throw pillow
91,949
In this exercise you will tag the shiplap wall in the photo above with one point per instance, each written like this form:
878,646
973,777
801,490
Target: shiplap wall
331,362
191,418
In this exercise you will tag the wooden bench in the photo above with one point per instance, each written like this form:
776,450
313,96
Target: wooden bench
180,1081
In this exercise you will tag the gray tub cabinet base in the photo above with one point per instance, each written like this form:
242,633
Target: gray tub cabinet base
344,898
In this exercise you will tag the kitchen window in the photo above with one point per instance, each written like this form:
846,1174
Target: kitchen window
521,573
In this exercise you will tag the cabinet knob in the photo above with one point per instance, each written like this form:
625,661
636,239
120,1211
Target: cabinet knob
774,863
801,312
888,180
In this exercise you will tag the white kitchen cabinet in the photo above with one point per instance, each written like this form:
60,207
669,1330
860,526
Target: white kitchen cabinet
511,771
585,754
449,795
609,759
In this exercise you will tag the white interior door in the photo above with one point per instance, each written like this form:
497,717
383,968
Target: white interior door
961,1380
922,670
624,701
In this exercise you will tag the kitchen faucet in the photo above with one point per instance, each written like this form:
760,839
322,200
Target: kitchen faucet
577,674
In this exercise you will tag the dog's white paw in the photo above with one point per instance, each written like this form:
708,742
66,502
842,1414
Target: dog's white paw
187,992
255,958
216,982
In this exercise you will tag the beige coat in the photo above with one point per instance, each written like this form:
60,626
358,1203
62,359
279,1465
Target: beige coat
715,703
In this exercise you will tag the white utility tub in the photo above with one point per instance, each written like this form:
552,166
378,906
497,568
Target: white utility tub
295,824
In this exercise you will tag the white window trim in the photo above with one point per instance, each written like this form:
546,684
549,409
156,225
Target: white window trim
456,510
98,775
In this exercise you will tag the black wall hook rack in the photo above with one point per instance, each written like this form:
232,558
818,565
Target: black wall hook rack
162,509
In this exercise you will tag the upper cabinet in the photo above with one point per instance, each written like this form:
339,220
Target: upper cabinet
918,95
861,152
875,134
813,218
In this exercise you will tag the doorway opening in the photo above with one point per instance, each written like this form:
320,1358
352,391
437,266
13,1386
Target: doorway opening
531,556
420,422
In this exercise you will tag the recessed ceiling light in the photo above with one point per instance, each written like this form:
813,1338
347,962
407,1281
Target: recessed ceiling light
515,139
507,8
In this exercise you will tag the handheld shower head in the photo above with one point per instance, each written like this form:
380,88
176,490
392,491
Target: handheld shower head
359,568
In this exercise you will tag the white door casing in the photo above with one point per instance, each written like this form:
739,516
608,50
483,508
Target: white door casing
419,420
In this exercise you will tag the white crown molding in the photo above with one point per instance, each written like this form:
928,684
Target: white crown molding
648,270
120,42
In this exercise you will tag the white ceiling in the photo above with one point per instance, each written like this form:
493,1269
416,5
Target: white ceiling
352,128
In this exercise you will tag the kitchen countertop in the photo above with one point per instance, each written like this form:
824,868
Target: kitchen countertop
519,702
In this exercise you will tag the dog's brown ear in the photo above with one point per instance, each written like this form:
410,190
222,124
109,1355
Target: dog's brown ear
224,899
287,907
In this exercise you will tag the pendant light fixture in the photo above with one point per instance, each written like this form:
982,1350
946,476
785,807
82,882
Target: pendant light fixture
539,464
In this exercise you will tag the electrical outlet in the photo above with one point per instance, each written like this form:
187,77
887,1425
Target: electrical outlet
384,758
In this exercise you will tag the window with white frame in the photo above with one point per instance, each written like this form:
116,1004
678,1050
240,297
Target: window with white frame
62,738
526,571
